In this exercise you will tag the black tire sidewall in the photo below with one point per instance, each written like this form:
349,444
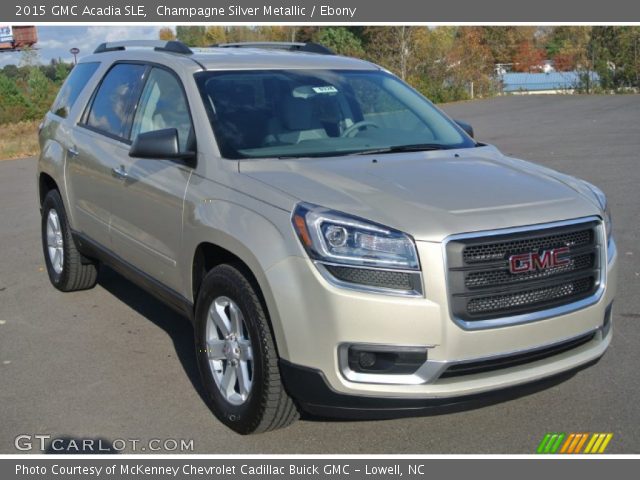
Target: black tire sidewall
241,418
53,201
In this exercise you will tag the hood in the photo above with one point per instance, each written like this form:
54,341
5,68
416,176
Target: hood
430,195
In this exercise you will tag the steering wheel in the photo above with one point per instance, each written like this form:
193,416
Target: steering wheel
350,132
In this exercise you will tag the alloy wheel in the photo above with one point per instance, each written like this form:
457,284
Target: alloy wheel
229,350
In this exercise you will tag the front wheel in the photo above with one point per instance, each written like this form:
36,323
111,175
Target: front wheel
237,356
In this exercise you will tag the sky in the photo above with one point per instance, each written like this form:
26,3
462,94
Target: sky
55,41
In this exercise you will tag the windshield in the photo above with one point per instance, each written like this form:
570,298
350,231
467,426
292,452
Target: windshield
317,113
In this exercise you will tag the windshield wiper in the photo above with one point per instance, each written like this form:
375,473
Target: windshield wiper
416,147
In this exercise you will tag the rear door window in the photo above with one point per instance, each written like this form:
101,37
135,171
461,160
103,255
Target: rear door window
114,100
73,86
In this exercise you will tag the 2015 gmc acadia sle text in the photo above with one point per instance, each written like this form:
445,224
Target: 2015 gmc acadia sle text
341,246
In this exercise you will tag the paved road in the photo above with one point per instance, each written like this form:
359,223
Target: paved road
114,363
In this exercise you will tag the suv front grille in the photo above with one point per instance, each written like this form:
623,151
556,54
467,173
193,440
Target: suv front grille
482,287
497,251
504,277
538,296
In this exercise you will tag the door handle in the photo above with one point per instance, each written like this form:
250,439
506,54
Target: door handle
120,172
72,151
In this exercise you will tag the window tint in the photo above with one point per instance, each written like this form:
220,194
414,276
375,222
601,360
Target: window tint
73,86
163,105
381,107
114,100
305,113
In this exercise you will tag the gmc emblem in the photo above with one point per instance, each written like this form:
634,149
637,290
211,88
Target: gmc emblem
531,262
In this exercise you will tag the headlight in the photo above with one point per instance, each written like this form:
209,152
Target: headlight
356,252
602,200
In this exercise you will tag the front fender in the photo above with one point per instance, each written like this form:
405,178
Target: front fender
259,234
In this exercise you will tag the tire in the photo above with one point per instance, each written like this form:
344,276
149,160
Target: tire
70,271
264,405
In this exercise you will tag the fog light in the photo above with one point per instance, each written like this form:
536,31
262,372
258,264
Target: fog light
384,359
367,359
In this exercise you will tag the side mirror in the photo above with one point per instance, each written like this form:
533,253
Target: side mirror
159,144
466,127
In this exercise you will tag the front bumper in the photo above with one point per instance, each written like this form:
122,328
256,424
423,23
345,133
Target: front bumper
317,318
314,394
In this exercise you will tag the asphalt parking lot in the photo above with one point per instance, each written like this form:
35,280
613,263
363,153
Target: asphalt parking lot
113,363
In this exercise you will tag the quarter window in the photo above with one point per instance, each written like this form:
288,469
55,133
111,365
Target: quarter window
73,86
163,105
113,103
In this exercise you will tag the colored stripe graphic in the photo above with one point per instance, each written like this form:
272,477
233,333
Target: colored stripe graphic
572,443
551,443
596,445
605,443
557,444
543,443
581,442
591,443
552,439
570,439
576,443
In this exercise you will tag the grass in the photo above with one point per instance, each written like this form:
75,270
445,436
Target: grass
19,140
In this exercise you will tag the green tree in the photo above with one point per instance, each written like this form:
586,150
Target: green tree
215,34
265,33
341,40
471,64
192,36
61,73
40,93
13,104
241,34
11,71
432,74
613,51
307,33
567,46
166,33
393,47
503,42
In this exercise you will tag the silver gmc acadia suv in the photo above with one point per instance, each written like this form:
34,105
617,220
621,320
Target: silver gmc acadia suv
341,246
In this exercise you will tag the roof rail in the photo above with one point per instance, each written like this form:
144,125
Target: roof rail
172,46
310,47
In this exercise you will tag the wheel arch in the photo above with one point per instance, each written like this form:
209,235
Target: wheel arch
210,254
46,183
50,174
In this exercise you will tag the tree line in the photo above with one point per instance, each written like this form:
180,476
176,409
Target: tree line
27,90
444,63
